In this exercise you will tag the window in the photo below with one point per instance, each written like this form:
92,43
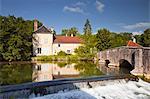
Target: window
58,45
68,51
39,50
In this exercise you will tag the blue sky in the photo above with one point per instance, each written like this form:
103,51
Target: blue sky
115,15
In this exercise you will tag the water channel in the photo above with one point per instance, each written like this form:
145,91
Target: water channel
17,73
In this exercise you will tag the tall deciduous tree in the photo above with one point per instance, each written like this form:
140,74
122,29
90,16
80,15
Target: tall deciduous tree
103,39
87,28
15,38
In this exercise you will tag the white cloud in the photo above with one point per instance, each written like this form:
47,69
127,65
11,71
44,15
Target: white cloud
73,9
80,4
137,33
100,6
137,26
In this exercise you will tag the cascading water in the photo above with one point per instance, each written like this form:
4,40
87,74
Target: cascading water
120,89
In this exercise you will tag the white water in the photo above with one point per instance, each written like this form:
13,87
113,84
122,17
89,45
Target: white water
120,90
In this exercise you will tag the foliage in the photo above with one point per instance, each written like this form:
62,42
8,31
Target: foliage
61,53
103,39
120,39
70,31
139,39
87,28
146,38
15,38
88,50
70,58
62,64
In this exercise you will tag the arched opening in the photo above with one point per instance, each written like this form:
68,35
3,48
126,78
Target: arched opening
125,66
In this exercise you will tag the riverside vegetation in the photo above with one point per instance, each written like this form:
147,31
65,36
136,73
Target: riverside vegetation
16,40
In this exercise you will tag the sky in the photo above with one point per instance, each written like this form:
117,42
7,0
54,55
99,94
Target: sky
115,15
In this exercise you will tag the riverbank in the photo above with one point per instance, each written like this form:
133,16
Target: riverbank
60,58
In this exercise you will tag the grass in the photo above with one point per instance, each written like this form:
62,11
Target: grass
59,58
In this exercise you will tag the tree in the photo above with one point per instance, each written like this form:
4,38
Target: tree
88,50
146,38
87,28
15,38
103,39
72,31
120,39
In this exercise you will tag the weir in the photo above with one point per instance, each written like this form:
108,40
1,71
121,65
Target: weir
50,87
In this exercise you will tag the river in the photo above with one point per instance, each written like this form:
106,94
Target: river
17,73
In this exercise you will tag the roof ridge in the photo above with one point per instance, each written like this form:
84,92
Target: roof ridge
43,27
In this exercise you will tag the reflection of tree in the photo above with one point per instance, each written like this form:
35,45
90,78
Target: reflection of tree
88,69
15,73
63,64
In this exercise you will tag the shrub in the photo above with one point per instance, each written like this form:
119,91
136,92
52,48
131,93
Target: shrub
62,53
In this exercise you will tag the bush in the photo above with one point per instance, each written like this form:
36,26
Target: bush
61,53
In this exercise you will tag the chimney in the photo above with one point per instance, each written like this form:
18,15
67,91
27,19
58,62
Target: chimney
133,38
35,25
52,29
71,35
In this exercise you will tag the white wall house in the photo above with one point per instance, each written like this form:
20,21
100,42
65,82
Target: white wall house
46,43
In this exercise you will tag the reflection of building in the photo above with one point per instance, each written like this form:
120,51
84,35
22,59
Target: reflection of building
45,42
50,71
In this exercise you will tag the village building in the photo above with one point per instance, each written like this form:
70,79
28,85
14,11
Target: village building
45,42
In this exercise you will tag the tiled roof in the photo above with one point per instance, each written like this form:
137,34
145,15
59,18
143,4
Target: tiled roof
131,43
67,39
42,29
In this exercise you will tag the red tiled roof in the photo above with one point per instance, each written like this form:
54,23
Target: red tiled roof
67,39
131,43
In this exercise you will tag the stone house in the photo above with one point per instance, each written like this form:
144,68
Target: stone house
47,43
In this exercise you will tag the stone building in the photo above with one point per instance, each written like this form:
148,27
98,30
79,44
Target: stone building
47,43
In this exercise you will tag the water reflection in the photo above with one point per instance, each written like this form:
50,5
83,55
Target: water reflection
15,73
29,72
50,71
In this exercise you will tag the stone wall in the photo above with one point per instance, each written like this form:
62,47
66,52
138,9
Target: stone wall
138,57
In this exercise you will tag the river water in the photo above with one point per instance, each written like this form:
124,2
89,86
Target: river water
17,73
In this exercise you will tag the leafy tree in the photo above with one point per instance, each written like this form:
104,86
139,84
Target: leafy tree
146,38
62,53
70,31
88,50
103,39
120,39
87,28
15,38
139,39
